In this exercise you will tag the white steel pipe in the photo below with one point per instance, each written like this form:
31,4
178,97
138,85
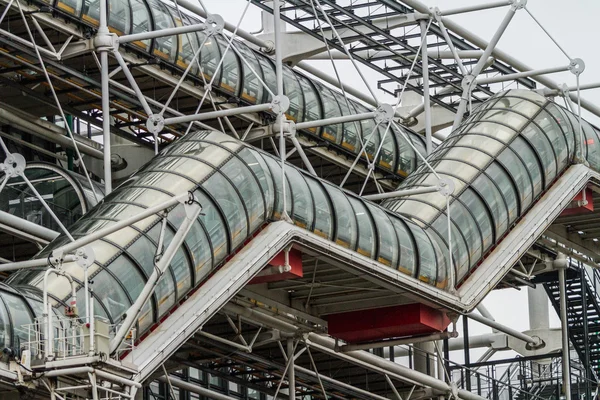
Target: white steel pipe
397,342
503,328
160,268
564,323
190,387
83,241
519,75
477,7
401,193
217,114
335,120
134,37
28,227
38,262
426,100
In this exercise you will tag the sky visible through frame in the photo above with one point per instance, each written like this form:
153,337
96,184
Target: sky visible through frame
574,25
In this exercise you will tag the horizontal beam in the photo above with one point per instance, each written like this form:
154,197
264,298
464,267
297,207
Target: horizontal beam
217,114
401,193
519,75
478,7
503,328
161,33
30,229
335,120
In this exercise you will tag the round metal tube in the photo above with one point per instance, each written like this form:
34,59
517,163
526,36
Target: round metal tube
216,114
503,328
564,323
190,387
401,193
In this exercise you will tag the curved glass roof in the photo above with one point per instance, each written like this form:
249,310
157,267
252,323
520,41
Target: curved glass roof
67,194
309,100
501,159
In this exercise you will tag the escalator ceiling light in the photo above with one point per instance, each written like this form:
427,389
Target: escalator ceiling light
580,232
595,239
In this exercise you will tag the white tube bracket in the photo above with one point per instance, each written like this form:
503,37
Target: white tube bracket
577,66
13,165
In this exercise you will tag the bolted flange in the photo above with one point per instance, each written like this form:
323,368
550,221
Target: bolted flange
384,113
519,4
104,41
155,123
577,66
14,165
280,104
445,187
85,256
214,24
467,82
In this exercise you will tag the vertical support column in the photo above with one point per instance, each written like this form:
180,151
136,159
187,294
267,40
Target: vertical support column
291,370
103,31
538,308
586,342
422,359
560,263
467,352
425,73
279,78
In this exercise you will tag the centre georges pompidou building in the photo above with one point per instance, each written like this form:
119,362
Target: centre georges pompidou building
226,266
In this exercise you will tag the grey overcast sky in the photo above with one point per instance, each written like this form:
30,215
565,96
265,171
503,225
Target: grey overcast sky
574,24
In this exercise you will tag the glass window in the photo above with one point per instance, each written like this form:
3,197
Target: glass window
128,274
111,294
91,12
460,251
269,77
302,207
276,173
351,130
253,89
554,133
256,163
406,155
531,162
164,47
388,243
560,116
5,325
387,155
406,262
494,201
215,226
427,262
331,109
344,217
500,177
141,22
293,91
522,106
519,174
477,208
230,68
119,16
72,7
467,227
312,105
188,45
323,217
165,290
592,145
180,266
247,186
366,230
209,57
231,206
20,315
540,142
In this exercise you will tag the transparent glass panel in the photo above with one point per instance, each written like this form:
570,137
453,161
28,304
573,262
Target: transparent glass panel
276,172
519,174
475,205
494,201
531,163
231,206
140,22
520,105
386,237
256,163
406,262
303,208
323,216
312,105
111,294
553,132
20,315
592,144
5,325
346,229
164,47
544,150
91,12
72,7
293,91
269,77
366,230
253,89
560,116
500,177
230,68
331,109
119,16
427,261
215,226
406,155
180,266
460,251
209,58
249,190
468,227
188,45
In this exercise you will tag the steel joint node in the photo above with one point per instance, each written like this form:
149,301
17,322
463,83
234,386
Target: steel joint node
14,165
214,24
445,187
105,41
85,256
155,123
384,113
577,66
280,104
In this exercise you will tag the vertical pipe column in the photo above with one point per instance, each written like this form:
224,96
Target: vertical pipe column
279,78
291,370
560,263
586,341
467,352
425,73
538,308
422,359
103,30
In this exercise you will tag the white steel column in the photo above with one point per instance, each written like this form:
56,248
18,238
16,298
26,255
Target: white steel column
291,373
425,73
103,50
538,308
561,264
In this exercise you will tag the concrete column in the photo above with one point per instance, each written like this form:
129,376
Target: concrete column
421,359
538,308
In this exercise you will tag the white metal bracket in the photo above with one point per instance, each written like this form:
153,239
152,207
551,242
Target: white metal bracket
85,256
13,165
384,113
155,124
577,66
214,24
445,187
280,104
